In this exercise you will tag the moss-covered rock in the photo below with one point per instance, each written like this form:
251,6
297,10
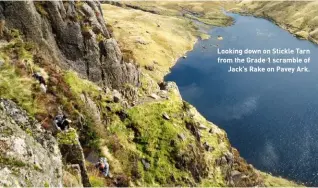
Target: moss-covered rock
72,152
72,176
26,160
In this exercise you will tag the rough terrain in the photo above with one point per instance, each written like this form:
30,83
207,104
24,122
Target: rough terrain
118,110
26,150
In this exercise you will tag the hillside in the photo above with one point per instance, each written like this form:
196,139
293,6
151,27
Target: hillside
298,17
150,136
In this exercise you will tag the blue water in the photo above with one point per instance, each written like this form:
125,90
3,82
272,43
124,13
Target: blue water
271,118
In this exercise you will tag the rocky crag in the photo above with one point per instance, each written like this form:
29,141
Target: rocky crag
149,135
75,36
29,156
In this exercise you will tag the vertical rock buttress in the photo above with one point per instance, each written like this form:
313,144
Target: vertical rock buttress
74,35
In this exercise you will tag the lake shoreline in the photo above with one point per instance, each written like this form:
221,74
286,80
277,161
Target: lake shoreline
267,178
285,21
187,65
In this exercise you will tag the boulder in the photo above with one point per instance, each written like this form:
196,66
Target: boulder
207,147
236,177
141,40
163,94
150,67
235,173
146,164
93,108
194,130
116,96
202,127
165,116
154,96
230,158
170,87
182,137
72,176
223,161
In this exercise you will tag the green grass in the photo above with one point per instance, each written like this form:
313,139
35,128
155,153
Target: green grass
222,21
17,88
272,181
153,137
40,8
67,137
97,181
16,82
145,134
46,184
11,162
80,86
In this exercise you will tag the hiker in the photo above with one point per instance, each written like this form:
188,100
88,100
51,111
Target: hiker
2,21
61,122
41,80
103,166
2,26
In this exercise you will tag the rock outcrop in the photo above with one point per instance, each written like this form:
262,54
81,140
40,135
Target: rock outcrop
29,156
142,138
73,153
74,35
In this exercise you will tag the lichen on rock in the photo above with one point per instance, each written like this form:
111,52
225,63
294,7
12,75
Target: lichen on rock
26,160
72,152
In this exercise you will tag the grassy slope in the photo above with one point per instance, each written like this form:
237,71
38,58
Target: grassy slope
160,39
299,17
150,114
153,39
143,134
207,12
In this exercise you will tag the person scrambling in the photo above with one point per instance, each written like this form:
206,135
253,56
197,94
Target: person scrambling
2,21
41,80
103,166
61,122
2,26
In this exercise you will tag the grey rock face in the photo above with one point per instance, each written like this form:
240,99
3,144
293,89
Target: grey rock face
116,96
145,163
72,152
154,96
73,35
182,137
29,156
72,176
93,108
165,116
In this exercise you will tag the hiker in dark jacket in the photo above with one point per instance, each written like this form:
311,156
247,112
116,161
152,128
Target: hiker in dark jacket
41,80
103,166
61,122
2,21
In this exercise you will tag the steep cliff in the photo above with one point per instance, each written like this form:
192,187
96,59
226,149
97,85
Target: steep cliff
150,136
72,34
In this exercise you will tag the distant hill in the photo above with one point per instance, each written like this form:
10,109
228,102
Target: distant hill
298,17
